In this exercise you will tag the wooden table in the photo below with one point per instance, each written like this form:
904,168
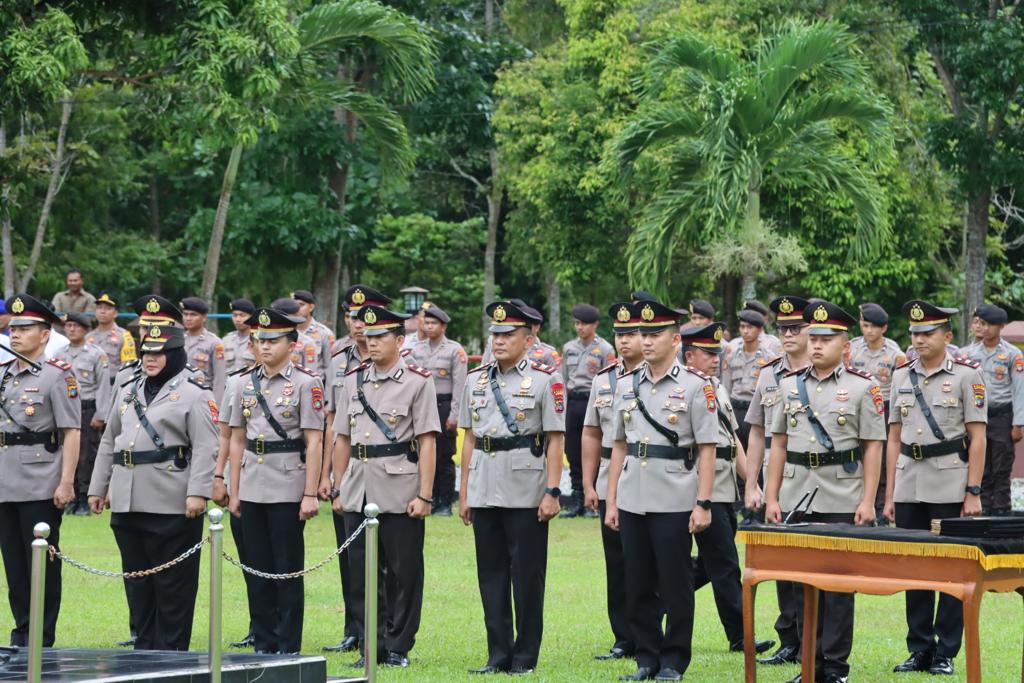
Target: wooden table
875,566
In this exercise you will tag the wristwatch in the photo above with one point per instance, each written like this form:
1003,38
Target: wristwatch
706,504
976,490
553,491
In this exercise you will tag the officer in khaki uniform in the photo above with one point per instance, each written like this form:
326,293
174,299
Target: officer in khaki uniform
540,351
513,411
1002,366
742,363
385,427
827,437
658,497
237,351
321,335
155,465
40,416
306,351
113,340
936,456
447,362
205,349
276,430
93,373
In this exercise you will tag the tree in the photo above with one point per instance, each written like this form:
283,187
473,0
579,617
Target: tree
722,129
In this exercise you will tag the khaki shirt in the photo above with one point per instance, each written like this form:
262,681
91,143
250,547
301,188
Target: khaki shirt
236,351
345,359
766,401
740,370
306,353
184,414
447,363
684,401
322,340
956,394
66,302
535,396
93,373
117,343
581,362
44,400
880,363
1003,370
404,397
296,399
601,414
725,489
850,407
540,352
206,354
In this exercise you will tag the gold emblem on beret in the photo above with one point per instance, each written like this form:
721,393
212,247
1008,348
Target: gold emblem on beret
358,297
623,315
370,318
718,334
426,305
691,309
264,319
820,314
18,307
647,313
499,314
786,306
153,306
291,295
916,312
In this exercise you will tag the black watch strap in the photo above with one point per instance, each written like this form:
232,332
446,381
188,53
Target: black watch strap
553,491
706,504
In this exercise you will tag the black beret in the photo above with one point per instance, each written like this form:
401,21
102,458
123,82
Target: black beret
431,309
194,303
754,305
286,306
586,313
874,314
243,305
641,295
304,295
701,307
79,318
992,314
751,317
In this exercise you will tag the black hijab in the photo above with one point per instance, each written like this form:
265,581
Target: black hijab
176,359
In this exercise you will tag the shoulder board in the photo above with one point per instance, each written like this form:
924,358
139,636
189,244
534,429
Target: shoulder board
243,370
423,372
608,368
305,371
633,371
131,379
362,366
793,373
59,364
189,367
698,373
7,362
960,360
774,362
548,369
904,364
404,352
201,385
859,373
480,367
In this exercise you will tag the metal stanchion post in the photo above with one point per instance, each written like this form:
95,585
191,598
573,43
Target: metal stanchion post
370,616
216,590
37,592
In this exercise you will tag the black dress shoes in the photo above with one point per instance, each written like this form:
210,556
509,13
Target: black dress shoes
828,678
614,653
517,670
127,643
643,673
347,644
917,661
787,654
668,674
248,641
759,646
488,669
941,666
397,659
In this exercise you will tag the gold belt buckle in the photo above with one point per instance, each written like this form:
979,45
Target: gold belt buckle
361,452
813,460
916,451
487,443
261,447
126,457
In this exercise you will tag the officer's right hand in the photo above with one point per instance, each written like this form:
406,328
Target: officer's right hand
235,507
465,512
773,513
324,491
96,504
889,511
220,493
611,515
590,498
336,506
753,496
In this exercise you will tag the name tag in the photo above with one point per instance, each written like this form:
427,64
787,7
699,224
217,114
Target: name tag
904,391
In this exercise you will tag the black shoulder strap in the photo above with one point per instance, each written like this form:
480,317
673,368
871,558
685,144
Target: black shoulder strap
510,422
274,424
819,429
613,379
388,432
669,434
143,420
923,405
3,400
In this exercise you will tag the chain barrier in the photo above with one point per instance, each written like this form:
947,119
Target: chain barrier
139,574
302,572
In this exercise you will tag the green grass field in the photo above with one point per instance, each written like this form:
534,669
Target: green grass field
451,639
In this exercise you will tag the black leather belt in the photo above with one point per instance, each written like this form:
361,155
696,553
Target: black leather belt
738,404
441,398
725,452
27,438
606,452
128,458
816,460
999,411
489,444
89,403
364,452
641,449
580,394
768,441
919,452
261,446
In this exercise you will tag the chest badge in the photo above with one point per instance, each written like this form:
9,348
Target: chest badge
526,383
521,416
30,410
288,390
904,411
673,418
841,420
174,397
947,387
842,395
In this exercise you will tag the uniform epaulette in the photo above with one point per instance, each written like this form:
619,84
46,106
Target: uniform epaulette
904,364
695,371
188,366
791,373
960,360
243,370
135,376
362,366
608,368
774,362
201,385
7,362
638,366
543,367
859,373
423,372
59,364
404,352
478,368
308,372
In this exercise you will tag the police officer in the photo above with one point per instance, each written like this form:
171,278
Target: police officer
660,482
1002,366
789,316
237,345
540,351
598,437
93,373
773,343
742,363
276,450
718,562
113,340
936,459
513,411
306,352
446,360
582,358
385,427
322,335
155,465
828,437
205,349
701,312
38,399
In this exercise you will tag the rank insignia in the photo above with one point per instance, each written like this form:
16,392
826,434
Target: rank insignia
318,398
558,393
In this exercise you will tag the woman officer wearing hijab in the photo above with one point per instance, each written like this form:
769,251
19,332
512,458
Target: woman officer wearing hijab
155,466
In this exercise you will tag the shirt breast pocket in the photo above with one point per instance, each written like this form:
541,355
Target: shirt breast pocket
200,360
948,411
522,403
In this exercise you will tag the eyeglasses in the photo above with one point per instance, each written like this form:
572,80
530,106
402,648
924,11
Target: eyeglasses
793,331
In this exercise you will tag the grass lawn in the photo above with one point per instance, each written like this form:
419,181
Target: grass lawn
451,638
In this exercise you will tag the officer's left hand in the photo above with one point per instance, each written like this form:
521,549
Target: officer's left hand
1017,433
865,514
700,519
972,506
417,508
451,425
64,494
549,508
308,508
194,506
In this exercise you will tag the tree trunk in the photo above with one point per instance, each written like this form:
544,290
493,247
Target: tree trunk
217,233
729,291
554,305
154,224
976,253
5,221
56,181
338,180
751,225
494,196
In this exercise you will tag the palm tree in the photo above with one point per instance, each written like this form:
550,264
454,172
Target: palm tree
721,129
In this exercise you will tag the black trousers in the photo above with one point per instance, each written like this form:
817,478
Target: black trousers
352,628
399,579
16,522
239,535
164,603
925,625
999,455
576,412
444,468
659,581
274,543
743,432
835,616
90,443
511,568
718,563
615,581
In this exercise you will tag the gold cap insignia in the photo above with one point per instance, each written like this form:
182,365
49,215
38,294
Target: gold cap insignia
786,306
691,309
370,318
264,319
18,307
820,314
155,331
647,313
499,314
358,297
291,295
153,306
916,312
623,315
718,334
426,305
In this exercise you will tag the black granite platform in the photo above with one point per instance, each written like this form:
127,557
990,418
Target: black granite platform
122,666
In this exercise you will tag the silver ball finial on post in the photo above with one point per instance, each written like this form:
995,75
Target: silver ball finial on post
371,510
216,515
41,530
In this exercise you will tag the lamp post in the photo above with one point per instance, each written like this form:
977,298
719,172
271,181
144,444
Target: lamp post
413,298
